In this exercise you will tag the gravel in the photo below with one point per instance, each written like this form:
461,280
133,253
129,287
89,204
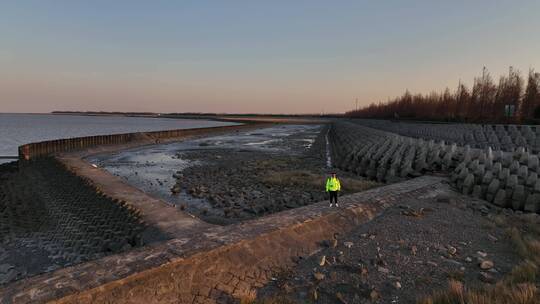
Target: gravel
402,255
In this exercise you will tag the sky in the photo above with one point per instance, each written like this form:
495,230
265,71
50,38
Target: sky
279,56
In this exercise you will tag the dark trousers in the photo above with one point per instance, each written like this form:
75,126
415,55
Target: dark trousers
333,196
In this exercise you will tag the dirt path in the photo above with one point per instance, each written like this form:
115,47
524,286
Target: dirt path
411,250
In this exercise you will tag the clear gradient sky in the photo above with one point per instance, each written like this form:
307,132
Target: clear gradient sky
251,56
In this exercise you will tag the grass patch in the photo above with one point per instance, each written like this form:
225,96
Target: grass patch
525,272
272,300
519,243
304,178
526,293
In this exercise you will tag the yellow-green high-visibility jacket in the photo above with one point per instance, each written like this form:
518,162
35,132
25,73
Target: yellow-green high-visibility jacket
332,184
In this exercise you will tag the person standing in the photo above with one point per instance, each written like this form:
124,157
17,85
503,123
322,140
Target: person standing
333,187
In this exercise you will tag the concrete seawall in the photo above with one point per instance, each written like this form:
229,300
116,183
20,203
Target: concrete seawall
215,264
197,262
47,148
200,262
51,147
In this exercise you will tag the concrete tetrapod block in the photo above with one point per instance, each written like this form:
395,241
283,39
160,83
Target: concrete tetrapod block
447,160
478,192
480,171
532,162
531,179
504,174
500,198
512,181
537,187
533,203
497,168
487,178
518,198
521,141
523,172
524,157
468,184
514,167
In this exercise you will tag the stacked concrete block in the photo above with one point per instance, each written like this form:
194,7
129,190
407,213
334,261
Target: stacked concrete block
385,156
499,137
507,179
498,163
45,206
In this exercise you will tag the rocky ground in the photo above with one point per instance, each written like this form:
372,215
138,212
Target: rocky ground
409,252
230,185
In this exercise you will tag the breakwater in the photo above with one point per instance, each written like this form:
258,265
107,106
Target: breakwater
51,147
203,263
216,264
509,179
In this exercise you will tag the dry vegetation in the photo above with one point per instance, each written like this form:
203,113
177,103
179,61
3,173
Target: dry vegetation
521,285
525,293
275,300
485,102
304,178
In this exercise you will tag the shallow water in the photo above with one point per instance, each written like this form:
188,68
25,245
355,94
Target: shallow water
151,168
19,129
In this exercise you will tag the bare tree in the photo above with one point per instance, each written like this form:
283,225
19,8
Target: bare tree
485,102
531,98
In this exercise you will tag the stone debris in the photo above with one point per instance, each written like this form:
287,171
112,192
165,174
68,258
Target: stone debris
414,250
340,297
374,295
176,189
318,276
452,250
481,254
322,261
486,277
408,256
486,264
315,294
492,238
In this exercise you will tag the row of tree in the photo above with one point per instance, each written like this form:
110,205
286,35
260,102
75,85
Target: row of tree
508,101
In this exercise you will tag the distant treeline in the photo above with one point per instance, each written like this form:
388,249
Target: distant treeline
509,101
105,113
192,114
249,115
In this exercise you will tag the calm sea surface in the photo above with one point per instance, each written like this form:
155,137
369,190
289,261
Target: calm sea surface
19,129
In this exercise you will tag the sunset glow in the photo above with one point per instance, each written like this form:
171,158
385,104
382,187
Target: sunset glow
251,57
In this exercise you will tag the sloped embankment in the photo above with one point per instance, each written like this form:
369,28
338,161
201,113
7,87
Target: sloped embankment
51,218
507,179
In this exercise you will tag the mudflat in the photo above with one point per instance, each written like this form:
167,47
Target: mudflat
230,178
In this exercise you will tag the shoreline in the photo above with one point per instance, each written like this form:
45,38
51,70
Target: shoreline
410,223
223,184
